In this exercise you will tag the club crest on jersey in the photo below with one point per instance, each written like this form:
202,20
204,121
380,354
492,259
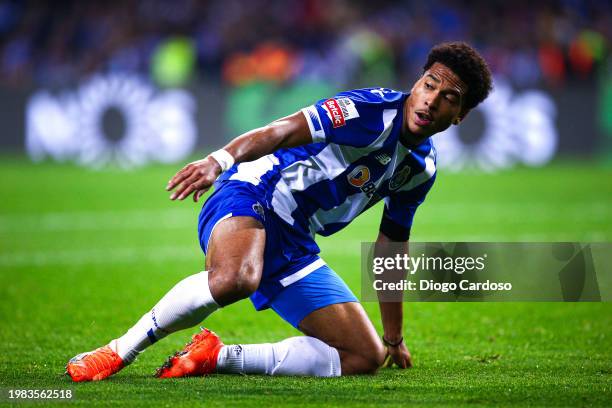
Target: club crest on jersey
340,110
360,178
399,178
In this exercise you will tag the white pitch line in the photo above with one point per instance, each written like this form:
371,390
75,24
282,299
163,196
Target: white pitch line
168,253
449,214
120,255
103,220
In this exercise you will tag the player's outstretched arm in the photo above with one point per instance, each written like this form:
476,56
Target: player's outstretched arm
392,316
197,177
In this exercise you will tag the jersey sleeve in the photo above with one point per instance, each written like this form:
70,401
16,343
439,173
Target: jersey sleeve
353,118
400,209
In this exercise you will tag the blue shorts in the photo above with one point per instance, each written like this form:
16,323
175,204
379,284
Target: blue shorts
289,259
320,288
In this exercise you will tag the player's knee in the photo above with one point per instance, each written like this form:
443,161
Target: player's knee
364,361
380,355
373,360
359,364
245,285
233,281
246,278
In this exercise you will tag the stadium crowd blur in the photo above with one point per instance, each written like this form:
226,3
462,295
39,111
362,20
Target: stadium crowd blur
341,41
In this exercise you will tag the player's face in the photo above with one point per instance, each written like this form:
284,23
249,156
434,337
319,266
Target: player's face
435,101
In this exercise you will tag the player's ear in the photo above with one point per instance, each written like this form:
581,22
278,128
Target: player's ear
461,116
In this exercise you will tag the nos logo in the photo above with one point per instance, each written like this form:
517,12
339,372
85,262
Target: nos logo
360,178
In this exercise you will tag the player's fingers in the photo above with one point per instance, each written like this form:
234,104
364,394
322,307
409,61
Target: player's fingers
399,361
176,180
190,187
199,194
408,361
402,363
388,361
183,186
178,177
193,184
187,191
405,359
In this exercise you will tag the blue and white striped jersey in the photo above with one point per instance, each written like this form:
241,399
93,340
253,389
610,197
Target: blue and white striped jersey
356,159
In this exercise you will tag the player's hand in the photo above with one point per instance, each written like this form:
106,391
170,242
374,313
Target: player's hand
196,177
399,355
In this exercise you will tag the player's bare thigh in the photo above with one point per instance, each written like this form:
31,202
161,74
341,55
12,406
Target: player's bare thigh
346,327
234,258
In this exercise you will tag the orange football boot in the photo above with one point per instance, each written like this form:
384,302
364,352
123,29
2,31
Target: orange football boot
95,365
199,357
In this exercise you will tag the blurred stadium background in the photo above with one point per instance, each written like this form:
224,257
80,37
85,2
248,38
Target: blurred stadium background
138,81
101,102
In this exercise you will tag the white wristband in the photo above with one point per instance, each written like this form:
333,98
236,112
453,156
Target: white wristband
224,159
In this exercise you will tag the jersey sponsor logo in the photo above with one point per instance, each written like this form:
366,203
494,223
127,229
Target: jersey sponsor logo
360,178
349,110
399,178
383,159
340,110
334,112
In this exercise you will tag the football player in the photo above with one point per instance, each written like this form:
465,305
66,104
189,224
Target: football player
278,186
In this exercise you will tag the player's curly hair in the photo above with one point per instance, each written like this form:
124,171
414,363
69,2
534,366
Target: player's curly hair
468,65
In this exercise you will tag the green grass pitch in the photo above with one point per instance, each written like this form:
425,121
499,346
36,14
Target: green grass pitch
83,254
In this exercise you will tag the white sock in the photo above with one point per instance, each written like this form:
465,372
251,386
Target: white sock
185,305
293,356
